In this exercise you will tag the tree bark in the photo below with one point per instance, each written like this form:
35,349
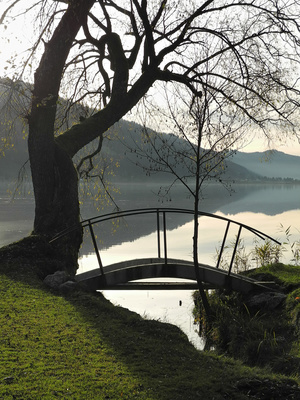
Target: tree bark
53,174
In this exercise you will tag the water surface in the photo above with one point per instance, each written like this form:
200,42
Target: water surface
269,208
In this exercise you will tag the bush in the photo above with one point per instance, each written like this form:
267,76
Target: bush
255,338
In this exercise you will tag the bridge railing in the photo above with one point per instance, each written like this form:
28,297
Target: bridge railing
161,226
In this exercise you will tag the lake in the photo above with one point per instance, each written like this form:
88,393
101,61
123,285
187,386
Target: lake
270,208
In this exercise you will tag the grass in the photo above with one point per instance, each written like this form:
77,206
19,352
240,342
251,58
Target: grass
80,346
287,276
269,338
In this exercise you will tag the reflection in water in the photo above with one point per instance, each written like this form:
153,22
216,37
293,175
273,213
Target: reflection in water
161,305
211,232
264,207
165,305
269,199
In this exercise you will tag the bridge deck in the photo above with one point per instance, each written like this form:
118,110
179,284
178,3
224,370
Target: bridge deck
124,274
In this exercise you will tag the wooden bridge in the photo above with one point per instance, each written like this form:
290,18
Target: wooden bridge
127,274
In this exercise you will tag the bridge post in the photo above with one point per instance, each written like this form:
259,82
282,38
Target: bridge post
223,244
96,247
165,237
158,233
235,248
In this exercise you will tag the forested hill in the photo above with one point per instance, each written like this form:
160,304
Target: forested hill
271,164
120,157
240,166
129,147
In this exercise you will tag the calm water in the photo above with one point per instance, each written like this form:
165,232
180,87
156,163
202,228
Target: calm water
269,208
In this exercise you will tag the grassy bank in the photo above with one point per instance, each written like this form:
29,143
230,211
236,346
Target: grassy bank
80,346
259,329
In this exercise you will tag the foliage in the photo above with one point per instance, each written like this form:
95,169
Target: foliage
293,245
257,337
264,253
241,261
267,253
241,334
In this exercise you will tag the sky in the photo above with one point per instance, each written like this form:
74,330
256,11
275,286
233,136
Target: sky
17,36
288,146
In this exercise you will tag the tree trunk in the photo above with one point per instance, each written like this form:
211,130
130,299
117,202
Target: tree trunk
54,177
195,252
57,205
66,212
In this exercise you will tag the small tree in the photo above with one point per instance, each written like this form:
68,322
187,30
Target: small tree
205,133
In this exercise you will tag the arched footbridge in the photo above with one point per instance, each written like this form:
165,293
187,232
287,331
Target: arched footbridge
129,273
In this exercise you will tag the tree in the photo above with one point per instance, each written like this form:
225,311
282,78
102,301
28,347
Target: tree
196,122
110,56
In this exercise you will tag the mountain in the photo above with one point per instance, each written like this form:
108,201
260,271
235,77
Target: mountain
123,159
272,164
121,154
130,147
241,166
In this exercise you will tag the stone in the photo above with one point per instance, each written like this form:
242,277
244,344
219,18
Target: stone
68,286
266,300
56,279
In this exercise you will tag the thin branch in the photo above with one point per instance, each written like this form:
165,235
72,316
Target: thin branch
7,10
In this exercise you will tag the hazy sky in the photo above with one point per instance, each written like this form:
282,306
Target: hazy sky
289,146
17,37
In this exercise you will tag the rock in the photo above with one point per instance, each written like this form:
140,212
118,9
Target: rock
266,300
55,280
68,286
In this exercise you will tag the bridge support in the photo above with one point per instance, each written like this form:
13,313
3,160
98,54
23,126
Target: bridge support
135,270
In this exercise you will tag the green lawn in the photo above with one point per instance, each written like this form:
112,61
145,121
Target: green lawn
82,347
